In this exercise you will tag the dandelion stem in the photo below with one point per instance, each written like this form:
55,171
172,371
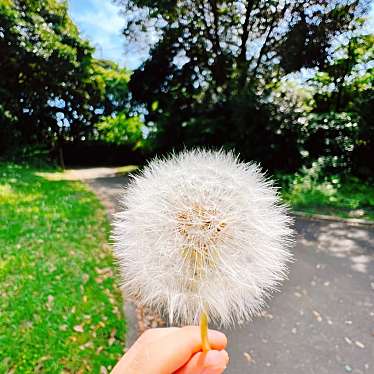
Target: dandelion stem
204,332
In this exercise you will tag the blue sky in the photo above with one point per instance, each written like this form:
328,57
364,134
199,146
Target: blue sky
100,22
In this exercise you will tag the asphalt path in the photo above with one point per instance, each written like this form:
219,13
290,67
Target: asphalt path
322,321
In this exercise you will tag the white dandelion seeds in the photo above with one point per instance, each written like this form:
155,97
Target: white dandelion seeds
200,233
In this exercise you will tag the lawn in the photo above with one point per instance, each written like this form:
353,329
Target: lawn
342,197
60,308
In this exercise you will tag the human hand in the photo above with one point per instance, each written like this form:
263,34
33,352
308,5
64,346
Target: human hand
174,350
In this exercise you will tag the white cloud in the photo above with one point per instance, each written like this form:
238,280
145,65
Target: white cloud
100,22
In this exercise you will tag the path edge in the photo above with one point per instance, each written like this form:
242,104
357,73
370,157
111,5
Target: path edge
128,307
323,217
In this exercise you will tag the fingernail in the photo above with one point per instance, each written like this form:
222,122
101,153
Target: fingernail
215,362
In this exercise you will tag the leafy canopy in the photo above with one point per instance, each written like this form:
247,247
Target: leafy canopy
216,66
52,90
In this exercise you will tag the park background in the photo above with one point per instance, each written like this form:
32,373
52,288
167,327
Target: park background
108,85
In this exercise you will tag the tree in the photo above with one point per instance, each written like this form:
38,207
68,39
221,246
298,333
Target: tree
116,125
52,90
44,67
215,65
341,124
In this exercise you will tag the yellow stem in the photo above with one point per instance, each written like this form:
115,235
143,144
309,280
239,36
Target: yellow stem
204,332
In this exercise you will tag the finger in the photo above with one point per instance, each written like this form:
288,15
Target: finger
172,351
157,333
148,337
211,362
217,339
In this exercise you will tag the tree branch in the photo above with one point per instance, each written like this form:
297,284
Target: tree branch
347,68
245,34
263,47
243,66
213,5
208,35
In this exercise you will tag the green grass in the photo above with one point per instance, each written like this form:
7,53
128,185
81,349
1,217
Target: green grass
123,170
60,309
346,198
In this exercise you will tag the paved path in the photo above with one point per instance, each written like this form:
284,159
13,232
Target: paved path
323,320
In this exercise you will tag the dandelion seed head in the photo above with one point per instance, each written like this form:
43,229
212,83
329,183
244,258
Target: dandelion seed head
202,231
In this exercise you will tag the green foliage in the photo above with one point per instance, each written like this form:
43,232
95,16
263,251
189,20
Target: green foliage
44,70
333,135
121,130
113,82
60,307
217,69
307,43
116,126
218,74
342,120
52,90
313,191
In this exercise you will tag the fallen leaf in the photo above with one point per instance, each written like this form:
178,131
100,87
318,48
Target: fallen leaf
49,303
104,271
78,328
266,314
112,338
248,357
86,345
98,350
317,315
85,278
359,344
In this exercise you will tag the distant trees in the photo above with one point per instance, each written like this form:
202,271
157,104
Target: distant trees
341,124
283,82
116,126
52,90
217,67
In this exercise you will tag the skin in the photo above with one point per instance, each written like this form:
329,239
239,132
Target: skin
174,351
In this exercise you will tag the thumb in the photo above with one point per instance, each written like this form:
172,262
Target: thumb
211,362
